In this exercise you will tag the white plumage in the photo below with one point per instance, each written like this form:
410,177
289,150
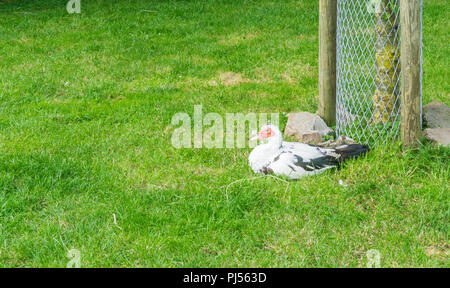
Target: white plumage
296,160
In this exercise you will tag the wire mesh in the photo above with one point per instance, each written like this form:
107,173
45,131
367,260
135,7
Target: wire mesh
368,70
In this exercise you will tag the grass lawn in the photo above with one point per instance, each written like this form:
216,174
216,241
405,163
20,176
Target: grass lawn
85,134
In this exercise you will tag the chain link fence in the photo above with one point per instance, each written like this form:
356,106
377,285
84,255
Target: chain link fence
368,70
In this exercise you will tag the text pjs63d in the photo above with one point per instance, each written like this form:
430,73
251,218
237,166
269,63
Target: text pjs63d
235,278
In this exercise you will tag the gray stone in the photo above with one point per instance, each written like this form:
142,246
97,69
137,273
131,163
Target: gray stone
436,115
310,137
306,127
438,135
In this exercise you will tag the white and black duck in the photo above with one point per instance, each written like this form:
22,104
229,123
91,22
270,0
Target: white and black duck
296,160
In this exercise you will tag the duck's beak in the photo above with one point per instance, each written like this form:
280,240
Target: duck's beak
257,137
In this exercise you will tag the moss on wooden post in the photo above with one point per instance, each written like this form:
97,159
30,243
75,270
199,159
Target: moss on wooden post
387,57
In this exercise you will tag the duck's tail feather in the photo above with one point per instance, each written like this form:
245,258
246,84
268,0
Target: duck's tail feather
351,151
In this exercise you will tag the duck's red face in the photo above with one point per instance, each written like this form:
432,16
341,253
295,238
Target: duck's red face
265,133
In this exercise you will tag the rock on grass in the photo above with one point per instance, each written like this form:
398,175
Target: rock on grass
307,127
436,115
438,135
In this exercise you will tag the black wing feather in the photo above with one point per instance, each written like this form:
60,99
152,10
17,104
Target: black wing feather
316,163
301,163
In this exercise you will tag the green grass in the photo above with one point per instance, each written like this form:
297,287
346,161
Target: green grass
86,107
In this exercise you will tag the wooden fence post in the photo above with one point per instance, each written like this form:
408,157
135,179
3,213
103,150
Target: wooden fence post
327,60
411,46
